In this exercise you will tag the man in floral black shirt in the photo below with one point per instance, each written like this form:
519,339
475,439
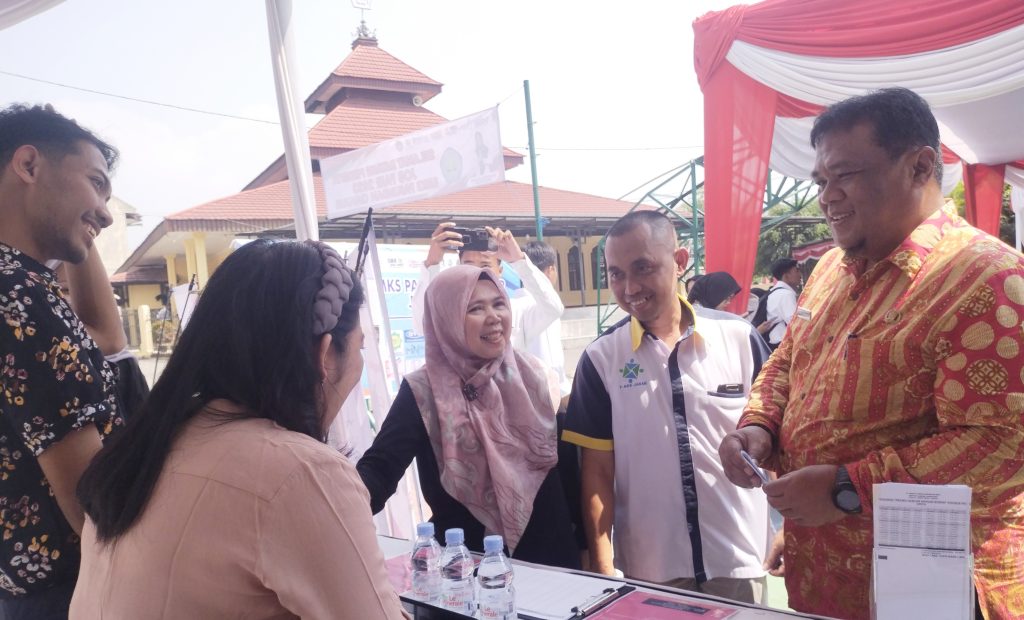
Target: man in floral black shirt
56,390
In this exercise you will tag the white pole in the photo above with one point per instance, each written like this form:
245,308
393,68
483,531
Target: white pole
293,129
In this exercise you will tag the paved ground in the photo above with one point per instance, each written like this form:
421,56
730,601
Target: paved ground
150,365
777,593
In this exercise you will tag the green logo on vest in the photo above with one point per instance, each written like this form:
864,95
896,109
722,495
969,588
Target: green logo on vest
631,371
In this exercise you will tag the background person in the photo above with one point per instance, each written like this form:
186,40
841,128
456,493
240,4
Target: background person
546,345
479,417
535,306
781,302
57,398
714,290
220,499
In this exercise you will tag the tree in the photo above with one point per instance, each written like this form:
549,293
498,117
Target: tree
1007,232
777,242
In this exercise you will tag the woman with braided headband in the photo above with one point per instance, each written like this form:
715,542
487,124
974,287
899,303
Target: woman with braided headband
479,418
219,499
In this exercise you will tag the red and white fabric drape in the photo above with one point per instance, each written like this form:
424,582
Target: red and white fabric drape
767,69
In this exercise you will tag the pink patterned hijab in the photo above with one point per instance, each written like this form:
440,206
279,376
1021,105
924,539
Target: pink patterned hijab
492,427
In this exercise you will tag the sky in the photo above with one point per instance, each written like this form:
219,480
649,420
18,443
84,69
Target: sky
615,98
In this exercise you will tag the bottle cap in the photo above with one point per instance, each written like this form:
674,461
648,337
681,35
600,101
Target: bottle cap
425,529
454,536
493,543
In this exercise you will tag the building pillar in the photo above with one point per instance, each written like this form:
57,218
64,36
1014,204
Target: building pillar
145,332
190,259
172,273
199,247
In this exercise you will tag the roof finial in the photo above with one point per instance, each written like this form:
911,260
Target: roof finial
363,32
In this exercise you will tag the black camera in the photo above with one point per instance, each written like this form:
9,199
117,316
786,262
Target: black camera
474,239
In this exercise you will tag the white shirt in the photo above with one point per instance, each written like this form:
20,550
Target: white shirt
536,316
781,308
664,408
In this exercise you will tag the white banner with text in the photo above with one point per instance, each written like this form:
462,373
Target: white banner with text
431,162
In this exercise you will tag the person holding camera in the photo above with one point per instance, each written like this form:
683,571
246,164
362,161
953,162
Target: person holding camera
535,306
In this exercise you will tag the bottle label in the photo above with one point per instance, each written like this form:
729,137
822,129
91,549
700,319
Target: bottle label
458,599
496,612
425,587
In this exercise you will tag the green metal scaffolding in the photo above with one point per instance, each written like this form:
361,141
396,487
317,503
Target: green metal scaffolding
681,197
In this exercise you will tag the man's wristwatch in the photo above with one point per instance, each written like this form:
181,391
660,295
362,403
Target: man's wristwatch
844,495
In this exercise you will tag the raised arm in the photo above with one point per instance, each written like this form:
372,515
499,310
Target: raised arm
92,299
547,306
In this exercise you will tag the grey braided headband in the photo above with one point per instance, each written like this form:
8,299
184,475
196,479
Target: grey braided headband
335,288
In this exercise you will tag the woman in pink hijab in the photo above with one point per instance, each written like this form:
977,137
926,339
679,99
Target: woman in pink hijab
480,421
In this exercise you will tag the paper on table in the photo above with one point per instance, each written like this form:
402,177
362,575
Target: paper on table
922,555
551,595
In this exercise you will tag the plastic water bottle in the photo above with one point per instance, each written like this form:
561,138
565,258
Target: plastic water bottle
457,590
425,563
497,596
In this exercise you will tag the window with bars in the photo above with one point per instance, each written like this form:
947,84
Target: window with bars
575,269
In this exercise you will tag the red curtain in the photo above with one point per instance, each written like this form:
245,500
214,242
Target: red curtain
983,192
948,156
739,112
735,171
852,28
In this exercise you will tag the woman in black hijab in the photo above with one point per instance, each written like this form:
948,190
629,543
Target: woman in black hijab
714,290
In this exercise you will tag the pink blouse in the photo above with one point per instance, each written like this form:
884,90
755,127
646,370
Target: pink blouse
248,520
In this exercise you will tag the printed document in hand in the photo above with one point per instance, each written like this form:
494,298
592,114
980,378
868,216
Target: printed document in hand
922,556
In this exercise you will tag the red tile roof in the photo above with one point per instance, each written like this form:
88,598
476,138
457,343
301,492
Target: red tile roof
508,199
369,68
146,274
371,62
361,122
270,202
511,199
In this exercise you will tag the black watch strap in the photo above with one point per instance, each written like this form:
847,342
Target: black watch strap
844,494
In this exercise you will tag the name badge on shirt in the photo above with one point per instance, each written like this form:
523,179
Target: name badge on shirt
803,313
730,388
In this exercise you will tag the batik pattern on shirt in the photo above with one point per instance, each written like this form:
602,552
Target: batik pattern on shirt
53,380
908,371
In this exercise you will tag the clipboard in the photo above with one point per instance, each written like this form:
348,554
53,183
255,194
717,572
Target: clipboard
592,607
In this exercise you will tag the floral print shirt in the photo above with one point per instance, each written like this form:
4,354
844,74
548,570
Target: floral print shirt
908,371
53,380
